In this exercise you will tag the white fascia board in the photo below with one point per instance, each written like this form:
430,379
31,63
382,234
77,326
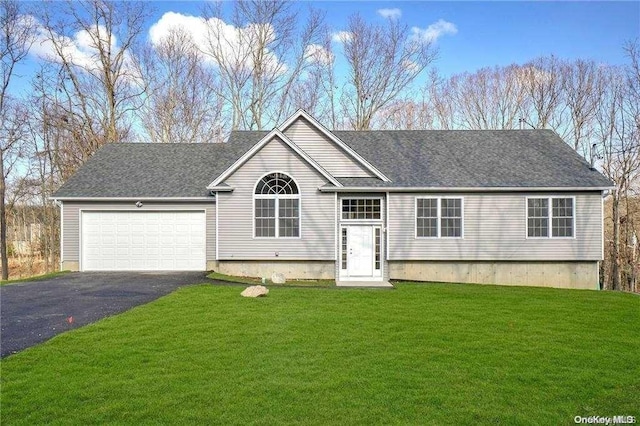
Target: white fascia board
240,161
257,147
310,160
335,139
459,189
186,199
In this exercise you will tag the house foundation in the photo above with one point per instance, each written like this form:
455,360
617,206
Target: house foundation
291,269
576,275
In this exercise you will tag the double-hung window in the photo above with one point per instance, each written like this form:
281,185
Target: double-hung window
439,217
276,207
550,217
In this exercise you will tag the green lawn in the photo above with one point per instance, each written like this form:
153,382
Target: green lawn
421,354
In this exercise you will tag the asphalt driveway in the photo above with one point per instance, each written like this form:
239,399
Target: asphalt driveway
32,312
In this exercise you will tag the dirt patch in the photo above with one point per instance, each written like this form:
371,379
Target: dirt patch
25,267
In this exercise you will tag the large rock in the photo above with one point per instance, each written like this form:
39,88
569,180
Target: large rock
278,278
255,291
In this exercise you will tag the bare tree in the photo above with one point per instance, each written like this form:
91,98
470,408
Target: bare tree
17,37
261,54
441,102
491,98
617,127
583,87
383,60
12,135
99,84
43,178
183,104
543,83
329,86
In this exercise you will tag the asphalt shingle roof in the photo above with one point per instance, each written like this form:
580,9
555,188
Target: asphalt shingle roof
410,158
474,158
152,170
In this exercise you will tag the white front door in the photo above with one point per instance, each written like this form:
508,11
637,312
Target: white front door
360,253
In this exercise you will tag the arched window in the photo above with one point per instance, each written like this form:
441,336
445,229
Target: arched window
276,207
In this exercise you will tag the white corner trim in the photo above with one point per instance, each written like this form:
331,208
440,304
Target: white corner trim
335,228
602,224
386,225
335,139
217,228
258,146
61,234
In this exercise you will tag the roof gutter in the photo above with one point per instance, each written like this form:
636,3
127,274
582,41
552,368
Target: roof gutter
220,188
183,199
462,189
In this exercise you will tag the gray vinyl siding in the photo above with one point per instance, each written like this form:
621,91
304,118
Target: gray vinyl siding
71,222
324,151
495,228
235,215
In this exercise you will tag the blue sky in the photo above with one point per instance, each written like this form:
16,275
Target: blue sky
486,33
497,33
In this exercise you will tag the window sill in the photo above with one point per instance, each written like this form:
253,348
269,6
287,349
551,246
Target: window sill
439,238
277,238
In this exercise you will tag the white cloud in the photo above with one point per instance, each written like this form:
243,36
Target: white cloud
218,38
80,49
171,21
317,53
341,36
434,31
394,13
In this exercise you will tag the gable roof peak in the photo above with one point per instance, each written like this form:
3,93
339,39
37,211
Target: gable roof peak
335,139
276,132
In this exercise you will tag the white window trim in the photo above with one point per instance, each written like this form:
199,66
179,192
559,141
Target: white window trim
343,271
365,197
439,223
381,253
276,197
549,217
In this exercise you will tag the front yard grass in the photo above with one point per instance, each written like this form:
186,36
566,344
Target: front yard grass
258,281
423,354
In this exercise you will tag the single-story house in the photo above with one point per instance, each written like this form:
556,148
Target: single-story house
513,207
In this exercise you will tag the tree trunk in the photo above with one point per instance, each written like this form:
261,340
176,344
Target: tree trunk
615,250
3,222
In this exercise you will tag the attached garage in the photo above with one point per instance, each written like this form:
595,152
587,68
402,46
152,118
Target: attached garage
142,240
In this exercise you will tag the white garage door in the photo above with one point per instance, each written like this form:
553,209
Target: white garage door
143,241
